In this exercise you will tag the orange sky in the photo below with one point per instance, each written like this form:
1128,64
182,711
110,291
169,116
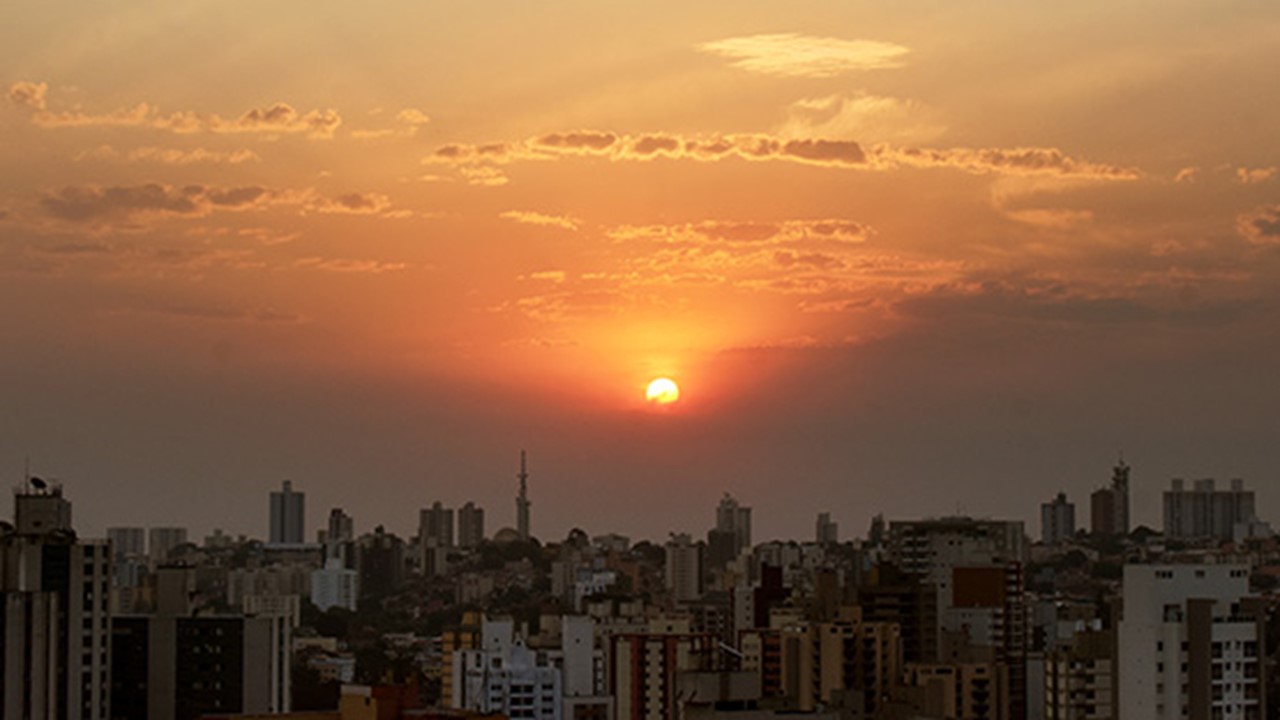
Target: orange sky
892,252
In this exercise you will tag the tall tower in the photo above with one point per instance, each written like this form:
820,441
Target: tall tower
522,501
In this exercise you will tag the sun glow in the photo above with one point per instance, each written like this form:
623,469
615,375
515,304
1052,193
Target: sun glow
662,391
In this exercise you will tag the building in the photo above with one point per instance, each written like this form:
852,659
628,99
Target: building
505,676
1079,677
436,523
470,525
380,562
288,516
684,567
1205,512
1102,512
976,568
820,661
161,541
1109,506
735,520
341,528
176,664
335,585
127,542
1190,644
1057,521
645,667
827,531
55,630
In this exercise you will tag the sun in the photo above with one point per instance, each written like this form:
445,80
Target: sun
662,391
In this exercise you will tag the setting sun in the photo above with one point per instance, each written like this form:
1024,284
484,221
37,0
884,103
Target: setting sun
662,391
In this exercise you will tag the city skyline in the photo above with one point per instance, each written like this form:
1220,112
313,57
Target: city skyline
897,258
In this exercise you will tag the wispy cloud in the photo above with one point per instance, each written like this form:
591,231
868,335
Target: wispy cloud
795,55
545,220
1026,161
277,119
171,156
1261,226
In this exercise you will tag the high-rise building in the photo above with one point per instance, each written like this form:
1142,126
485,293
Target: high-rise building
1120,497
1080,677
436,523
827,531
177,664
1109,506
55,629
976,567
735,520
1057,520
380,562
470,525
288,516
161,541
1191,644
1102,512
127,542
335,586
1204,512
522,501
505,676
645,667
342,528
684,567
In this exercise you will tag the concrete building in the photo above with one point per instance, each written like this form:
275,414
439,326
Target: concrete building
436,523
645,667
505,676
1205,512
735,520
335,586
684,567
1109,506
1190,644
523,505
55,628
976,567
127,542
827,531
178,665
288,516
1057,521
821,661
470,525
162,540
1079,677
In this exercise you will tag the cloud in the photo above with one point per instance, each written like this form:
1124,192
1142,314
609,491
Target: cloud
29,94
822,152
1253,176
536,218
351,204
795,55
172,156
276,119
484,176
1261,226
92,204
408,122
346,265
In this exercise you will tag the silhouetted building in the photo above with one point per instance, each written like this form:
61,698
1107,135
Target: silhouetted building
1109,506
827,531
380,564
288,516
1204,512
55,629
470,525
161,541
175,664
684,567
735,520
1057,521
